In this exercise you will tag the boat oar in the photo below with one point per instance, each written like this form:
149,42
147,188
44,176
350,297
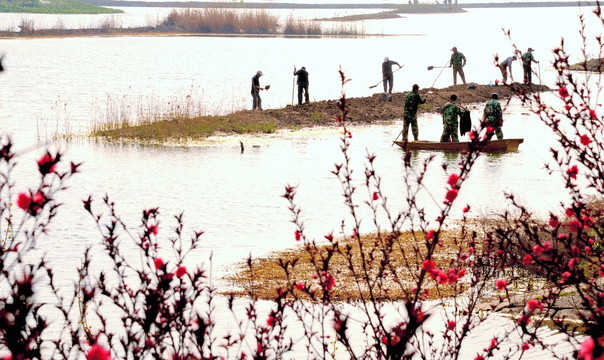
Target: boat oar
443,68
372,86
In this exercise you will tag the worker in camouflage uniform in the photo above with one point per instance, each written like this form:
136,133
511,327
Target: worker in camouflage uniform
493,116
451,112
457,62
412,102
527,59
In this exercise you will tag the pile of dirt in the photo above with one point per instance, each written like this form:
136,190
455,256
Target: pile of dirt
375,108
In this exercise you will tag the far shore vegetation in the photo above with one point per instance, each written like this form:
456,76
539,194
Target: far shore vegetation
54,7
179,123
206,21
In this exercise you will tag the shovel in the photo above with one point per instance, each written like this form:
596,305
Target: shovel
372,86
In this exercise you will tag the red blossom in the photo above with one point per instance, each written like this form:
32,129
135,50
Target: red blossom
527,259
430,235
376,196
181,271
573,171
489,129
466,209
533,305
159,263
563,92
270,321
525,347
98,352
300,286
297,235
329,281
524,319
592,114
565,276
553,222
537,249
451,324
153,229
585,140
453,178
23,201
451,195
428,265
501,284
587,349
47,164
574,225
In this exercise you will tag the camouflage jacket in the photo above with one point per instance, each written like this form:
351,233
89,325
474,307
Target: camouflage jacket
458,59
527,57
450,113
493,113
412,101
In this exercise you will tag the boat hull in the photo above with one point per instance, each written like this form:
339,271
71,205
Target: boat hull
492,146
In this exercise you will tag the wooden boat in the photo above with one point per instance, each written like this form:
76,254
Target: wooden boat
492,146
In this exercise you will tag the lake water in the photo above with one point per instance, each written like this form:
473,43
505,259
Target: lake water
63,85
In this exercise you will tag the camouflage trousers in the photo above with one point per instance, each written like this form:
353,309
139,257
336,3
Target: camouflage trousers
450,132
414,128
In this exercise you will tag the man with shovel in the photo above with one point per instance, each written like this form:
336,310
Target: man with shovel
387,74
256,88
457,62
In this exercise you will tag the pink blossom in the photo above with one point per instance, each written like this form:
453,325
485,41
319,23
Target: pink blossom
159,263
98,352
565,276
461,273
181,271
524,319
297,235
563,92
451,195
585,140
501,284
489,129
525,347
574,225
527,259
571,263
547,246
451,324
300,286
453,178
569,212
587,349
8,356
466,209
376,196
593,115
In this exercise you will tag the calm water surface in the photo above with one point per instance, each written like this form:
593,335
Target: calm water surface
64,85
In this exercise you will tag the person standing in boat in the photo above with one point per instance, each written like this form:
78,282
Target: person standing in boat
256,88
302,82
451,112
527,59
387,74
457,62
493,117
412,102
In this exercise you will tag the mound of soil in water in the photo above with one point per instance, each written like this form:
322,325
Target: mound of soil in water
595,65
375,108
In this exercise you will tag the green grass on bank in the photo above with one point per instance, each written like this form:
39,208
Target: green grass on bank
53,7
179,127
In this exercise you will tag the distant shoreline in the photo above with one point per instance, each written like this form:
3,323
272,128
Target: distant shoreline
252,5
